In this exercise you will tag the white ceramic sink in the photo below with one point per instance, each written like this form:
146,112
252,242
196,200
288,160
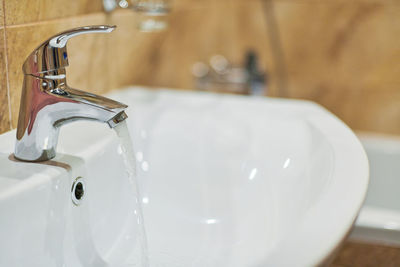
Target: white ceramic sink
224,181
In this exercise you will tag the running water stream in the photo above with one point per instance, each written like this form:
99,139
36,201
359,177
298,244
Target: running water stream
140,254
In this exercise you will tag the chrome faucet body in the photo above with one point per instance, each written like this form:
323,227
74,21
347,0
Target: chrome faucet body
47,102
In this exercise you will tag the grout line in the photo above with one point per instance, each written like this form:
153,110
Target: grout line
6,63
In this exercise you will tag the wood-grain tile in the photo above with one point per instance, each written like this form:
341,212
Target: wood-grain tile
1,13
4,105
345,45
344,55
193,4
367,255
28,11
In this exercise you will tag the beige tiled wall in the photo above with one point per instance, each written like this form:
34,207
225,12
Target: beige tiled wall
346,56
342,54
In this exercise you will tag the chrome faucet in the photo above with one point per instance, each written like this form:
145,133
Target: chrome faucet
47,102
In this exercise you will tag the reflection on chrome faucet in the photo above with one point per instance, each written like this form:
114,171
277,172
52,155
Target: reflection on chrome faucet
47,102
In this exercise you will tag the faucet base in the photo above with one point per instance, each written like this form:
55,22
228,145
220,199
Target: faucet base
46,155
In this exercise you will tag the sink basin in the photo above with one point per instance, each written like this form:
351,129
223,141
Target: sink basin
224,181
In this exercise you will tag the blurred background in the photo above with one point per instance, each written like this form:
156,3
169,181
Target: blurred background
344,55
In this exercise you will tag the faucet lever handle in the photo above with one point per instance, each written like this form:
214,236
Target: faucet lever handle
60,40
52,54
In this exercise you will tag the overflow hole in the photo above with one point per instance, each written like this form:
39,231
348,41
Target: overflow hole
78,191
